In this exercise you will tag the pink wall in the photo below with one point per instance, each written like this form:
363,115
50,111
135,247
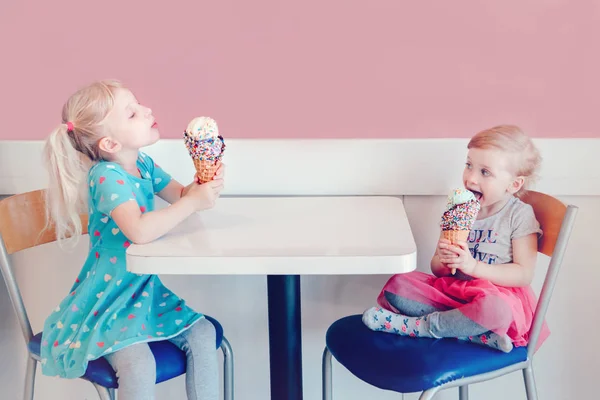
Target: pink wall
311,68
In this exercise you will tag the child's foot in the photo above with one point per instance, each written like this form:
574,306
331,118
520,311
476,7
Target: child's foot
493,340
379,319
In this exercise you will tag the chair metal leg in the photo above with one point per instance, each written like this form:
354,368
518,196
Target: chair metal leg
30,378
327,375
530,383
104,393
463,392
428,394
227,369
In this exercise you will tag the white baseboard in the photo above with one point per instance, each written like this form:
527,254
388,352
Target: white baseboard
335,166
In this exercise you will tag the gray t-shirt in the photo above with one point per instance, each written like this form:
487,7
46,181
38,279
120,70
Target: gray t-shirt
490,240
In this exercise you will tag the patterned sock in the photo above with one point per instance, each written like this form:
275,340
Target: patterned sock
493,340
378,319
381,320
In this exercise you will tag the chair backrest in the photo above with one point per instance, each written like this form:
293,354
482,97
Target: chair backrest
22,226
556,220
550,213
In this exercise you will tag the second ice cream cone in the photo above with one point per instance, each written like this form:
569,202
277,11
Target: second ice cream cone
455,237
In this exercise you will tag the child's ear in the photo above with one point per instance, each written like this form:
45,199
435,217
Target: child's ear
109,145
516,185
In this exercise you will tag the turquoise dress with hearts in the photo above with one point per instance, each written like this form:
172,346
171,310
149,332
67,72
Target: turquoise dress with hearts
109,308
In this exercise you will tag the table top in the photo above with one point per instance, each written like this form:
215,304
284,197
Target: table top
285,235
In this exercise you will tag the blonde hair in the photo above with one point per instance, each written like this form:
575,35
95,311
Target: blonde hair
513,141
69,154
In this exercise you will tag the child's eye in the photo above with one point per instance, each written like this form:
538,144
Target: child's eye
132,115
468,165
485,172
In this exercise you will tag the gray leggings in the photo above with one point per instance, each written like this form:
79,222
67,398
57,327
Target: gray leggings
444,323
136,368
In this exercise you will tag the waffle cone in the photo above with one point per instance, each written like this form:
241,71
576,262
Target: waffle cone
454,237
205,169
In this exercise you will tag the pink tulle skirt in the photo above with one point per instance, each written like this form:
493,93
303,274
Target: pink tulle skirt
499,309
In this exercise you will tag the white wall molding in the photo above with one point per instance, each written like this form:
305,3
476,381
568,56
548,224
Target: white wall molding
335,166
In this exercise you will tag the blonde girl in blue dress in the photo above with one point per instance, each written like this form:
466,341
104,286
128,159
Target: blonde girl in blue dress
96,166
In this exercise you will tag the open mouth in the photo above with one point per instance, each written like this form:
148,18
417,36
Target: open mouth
478,195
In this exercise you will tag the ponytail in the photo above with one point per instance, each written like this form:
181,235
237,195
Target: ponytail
69,153
66,196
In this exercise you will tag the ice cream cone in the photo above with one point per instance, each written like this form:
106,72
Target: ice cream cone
206,169
460,215
205,146
455,237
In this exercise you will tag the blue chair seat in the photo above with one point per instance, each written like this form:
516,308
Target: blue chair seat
170,360
404,364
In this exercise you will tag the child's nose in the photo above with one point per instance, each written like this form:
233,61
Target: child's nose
471,178
148,111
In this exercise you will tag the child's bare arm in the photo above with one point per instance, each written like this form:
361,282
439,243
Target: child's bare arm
142,228
175,190
519,273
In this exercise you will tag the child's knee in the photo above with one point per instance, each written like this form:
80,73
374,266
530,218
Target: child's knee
201,334
204,328
391,298
398,302
135,362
